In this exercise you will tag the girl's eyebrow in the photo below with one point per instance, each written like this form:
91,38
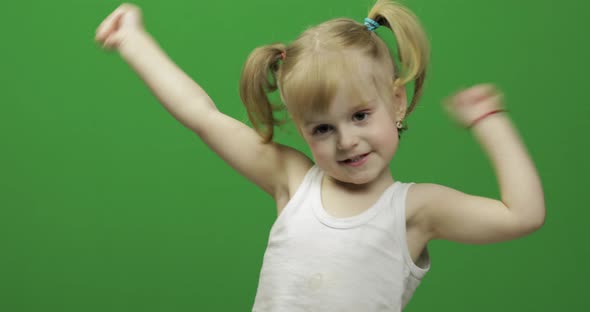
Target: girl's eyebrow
362,105
311,122
365,104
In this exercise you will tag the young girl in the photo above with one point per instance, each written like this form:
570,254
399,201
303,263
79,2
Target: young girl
348,237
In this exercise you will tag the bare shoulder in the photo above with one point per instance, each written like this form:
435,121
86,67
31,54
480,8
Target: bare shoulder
416,199
423,195
295,166
425,201
418,232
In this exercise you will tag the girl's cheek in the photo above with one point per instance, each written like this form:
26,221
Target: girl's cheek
319,150
314,144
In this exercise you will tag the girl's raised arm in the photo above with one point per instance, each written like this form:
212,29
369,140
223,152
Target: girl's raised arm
449,214
268,165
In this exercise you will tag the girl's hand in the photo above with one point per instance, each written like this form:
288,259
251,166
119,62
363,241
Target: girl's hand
122,23
470,104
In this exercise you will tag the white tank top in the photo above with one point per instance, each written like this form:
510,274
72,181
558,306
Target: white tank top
316,262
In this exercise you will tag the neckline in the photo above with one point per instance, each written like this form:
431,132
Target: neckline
347,222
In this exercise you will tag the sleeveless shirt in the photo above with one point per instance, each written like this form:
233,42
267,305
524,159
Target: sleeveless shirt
316,262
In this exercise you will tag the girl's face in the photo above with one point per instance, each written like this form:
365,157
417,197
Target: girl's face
355,140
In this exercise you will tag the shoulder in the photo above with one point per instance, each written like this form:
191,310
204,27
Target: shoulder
418,197
295,167
415,199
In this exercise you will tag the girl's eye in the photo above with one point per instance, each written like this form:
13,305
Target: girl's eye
360,116
321,129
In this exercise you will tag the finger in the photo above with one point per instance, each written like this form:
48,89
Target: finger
490,93
483,90
106,27
107,45
110,42
495,101
108,24
475,94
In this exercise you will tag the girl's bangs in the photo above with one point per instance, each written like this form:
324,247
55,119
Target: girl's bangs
309,89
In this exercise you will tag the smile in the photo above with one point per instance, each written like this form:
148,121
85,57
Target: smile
355,161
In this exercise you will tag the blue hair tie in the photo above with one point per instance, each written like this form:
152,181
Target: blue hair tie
371,24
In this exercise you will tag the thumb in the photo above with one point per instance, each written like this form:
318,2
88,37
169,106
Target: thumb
113,41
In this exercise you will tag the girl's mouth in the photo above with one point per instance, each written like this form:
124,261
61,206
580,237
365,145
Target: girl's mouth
355,161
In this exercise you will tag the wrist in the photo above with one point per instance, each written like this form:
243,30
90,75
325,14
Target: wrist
134,43
485,116
491,127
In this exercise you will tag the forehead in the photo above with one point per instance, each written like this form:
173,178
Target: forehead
342,107
314,86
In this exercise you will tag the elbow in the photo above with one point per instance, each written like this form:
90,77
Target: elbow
539,223
535,223
541,219
530,213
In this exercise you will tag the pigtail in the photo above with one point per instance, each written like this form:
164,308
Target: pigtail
412,44
257,80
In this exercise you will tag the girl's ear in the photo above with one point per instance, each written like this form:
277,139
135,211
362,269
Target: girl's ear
400,101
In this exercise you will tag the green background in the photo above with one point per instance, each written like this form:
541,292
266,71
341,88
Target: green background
107,203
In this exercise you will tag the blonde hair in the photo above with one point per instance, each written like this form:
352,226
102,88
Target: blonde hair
320,57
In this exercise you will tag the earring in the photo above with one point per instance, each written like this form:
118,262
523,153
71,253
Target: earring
400,128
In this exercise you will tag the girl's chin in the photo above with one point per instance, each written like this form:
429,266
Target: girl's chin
360,180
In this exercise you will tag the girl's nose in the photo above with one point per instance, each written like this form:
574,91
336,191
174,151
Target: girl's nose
347,140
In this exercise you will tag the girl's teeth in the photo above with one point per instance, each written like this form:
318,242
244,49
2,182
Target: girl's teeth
354,159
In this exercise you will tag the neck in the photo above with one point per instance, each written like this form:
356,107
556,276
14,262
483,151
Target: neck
378,185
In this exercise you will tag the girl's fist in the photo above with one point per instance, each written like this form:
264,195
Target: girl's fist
123,22
468,105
